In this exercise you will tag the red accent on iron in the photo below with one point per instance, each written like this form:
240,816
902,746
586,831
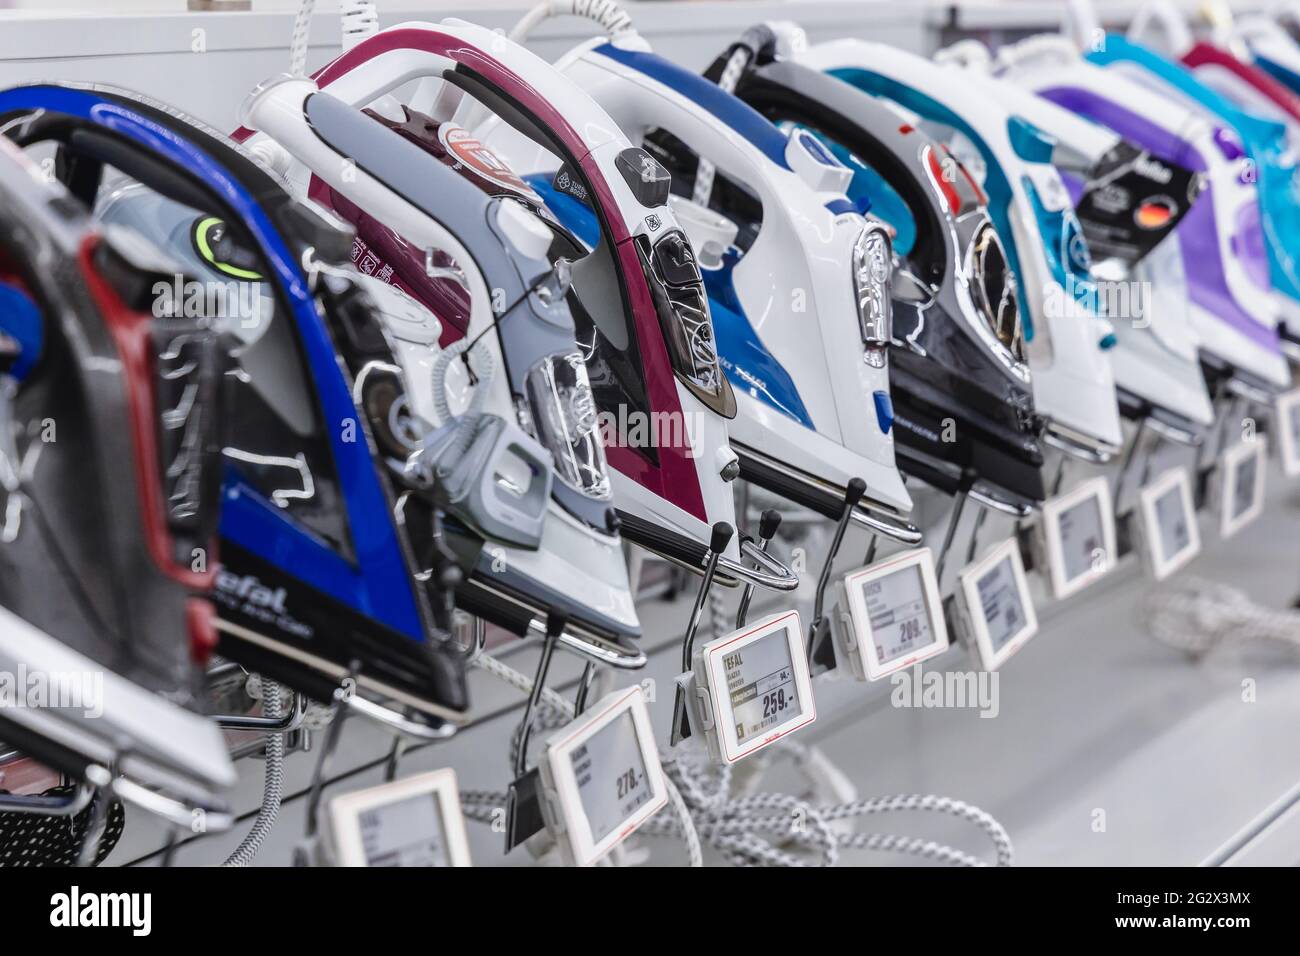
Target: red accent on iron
130,331
1207,54
443,44
381,253
200,621
676,479
980,198
945,187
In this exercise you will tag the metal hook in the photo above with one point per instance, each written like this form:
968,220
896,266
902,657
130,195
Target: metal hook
397,723
395,755
589,651
975,534
584,688
991,502
342,694
480,638
853,493
1180,436
1060,475
1227,400
172,811
555,622
770,574
68,805
1129,456
173,844
959,505
404,731
768,524
97,778
984,496
1157,438
100,804
1238,402
267,725
476,642
1078,447
718,541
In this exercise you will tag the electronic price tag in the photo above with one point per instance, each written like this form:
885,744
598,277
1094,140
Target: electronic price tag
751,687
1241,485
1288,421
1167,527
600,777
992,608
888,615
1077,537
411,822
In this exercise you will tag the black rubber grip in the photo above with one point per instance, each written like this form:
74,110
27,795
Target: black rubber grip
854,491
721,537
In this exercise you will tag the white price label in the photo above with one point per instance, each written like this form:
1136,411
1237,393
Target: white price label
1078,532
757,684
895,614
1241,498
1169,530
995,602
411,822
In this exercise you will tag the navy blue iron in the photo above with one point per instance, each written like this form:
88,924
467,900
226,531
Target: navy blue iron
317,579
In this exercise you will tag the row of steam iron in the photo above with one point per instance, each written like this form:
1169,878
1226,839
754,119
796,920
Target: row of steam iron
443,331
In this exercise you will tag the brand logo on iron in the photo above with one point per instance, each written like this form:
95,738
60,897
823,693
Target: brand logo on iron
480,159
1153,170
566,183
248,588
250,597
916,429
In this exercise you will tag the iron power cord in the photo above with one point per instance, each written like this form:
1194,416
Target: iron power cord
1195,615
768,829
272,788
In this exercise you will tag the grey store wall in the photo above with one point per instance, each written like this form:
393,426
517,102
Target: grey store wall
205,63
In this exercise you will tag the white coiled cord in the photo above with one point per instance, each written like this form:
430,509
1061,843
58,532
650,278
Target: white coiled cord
360,21
611,17
706,170
523,683
467,421
733,825
1194,615
1004,852
482,805
759,829
301,38
967,54
1048,47
769,829
359,18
